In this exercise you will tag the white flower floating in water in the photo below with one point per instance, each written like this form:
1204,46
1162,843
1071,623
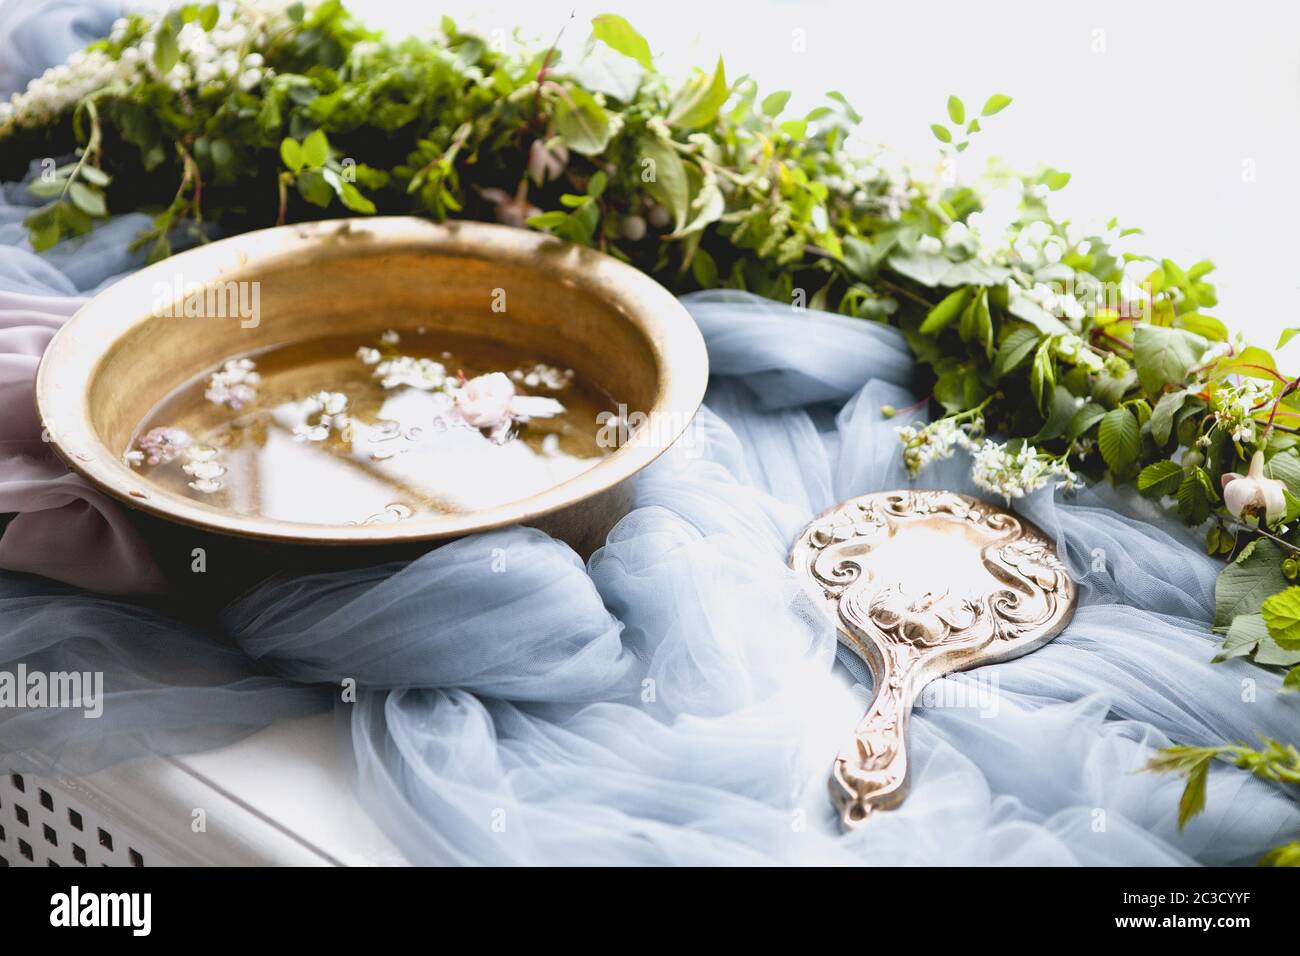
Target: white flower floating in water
421,373
203,467
326,411
1253,493
490,403
235,385
159,446
543,375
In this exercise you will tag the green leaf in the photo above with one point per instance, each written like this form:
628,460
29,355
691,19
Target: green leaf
995,104
222,153
348,194
1194,497
44,236
1042,374
1205,325
548,220
1243,636
1014,350
209,16
1163,356
166,53
291,154
709,205
1252,362
698,103
1120,439
1162,417
315,149
1160,478
664,177
1243,585
941,132
852,115
313,187
1272,654
94,175
88,199
582,122
1027,310
619,35
1282,615
1285,467
1084,419
1286,336
956,110
1056,180
774,103
948,309
1192,801
1288,854
1058,416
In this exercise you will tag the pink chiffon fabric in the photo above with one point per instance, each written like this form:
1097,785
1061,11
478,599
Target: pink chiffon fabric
62,528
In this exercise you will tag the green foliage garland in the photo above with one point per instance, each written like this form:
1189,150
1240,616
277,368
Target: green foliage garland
1095,362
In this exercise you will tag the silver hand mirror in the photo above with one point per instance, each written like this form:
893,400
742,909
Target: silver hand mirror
921,584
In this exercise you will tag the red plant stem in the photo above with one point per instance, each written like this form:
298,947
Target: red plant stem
546,64
1111,338
1277,402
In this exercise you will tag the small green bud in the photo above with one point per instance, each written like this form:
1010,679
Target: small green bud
1290,569
889,411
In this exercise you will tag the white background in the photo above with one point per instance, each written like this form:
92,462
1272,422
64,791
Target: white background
1181,118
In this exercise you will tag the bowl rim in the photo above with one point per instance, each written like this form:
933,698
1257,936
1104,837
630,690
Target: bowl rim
73,356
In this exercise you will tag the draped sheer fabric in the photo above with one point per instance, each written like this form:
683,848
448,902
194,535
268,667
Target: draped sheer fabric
678,698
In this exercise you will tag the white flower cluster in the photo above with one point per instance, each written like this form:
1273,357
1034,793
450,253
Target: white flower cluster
61,87
221,55
326,412
887,173
1038,245
202,466
215,56
937,441
540,374
235,385
1058,302
1000,209
1015,474
421,373
1235,407
994,467
158,446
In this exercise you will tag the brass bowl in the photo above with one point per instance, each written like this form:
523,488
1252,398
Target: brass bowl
117,357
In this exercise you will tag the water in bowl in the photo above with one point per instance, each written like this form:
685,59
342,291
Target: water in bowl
354,430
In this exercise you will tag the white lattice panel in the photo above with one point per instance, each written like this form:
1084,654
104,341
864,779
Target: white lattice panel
42,824
281,797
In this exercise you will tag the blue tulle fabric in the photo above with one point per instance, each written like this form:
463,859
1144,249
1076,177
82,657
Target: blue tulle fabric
677,700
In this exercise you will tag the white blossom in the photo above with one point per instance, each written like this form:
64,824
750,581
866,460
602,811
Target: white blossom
235,385
1014,474
421,373
203,57
929,245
